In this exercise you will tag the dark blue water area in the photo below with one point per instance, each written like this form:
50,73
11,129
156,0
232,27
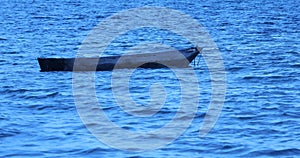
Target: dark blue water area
259,43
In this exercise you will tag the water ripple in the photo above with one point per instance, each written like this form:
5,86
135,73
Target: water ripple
259,41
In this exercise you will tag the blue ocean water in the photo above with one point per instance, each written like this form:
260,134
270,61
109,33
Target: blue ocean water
258,40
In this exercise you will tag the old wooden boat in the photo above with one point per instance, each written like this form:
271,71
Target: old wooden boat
144,60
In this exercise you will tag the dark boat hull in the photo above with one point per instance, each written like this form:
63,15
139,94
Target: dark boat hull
147,60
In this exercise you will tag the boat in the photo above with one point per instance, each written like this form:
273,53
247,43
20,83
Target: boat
142,60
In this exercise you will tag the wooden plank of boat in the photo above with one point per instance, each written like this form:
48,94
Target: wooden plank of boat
146,60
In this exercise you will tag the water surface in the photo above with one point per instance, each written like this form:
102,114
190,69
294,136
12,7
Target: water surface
259,42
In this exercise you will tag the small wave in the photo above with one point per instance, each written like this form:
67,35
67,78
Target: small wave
263,77
246,117
269,109
234,69
283,152
52,94
292,114
252,77
295,65
95,150
16,90
269,23
8,133
44,107
293,52
37,96
43,17
27,154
